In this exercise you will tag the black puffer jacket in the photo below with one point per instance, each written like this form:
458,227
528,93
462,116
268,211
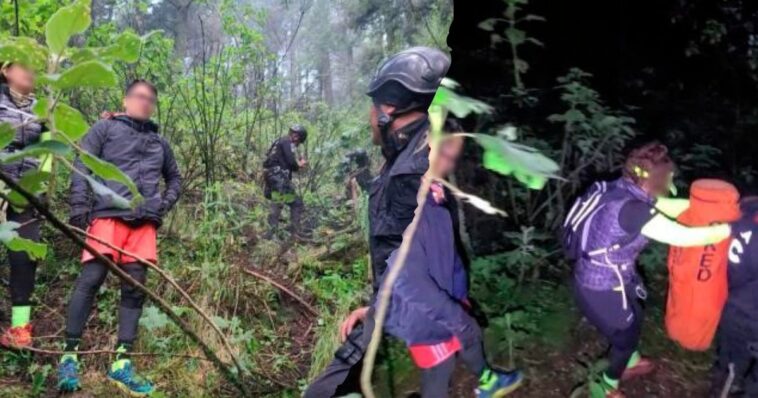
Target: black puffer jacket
136,148
27,133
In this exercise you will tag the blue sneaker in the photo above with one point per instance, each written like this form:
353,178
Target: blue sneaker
68,375
122,376
495,384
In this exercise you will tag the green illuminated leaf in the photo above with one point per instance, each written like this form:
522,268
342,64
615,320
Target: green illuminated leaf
66,22
41,148
33,181
86,74
7,133
526,164
70,122
24,51
125,48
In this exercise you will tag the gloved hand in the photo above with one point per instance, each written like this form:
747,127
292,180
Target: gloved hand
80,221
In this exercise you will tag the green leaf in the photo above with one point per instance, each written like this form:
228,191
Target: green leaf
126,48
54,147
515,36
153,319
108,171
66,22
7,133
108,194
526,164
86,74
40,108
9,236
33,181
488,24
459,105
24,51
79,55
70,122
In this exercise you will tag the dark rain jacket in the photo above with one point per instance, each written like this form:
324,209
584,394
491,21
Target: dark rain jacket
282,155
27,133
136,148
427,302
742,302
392,198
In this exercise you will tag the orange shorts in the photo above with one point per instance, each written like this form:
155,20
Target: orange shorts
428,356
140,241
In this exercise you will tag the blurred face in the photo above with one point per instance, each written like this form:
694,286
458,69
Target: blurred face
447,156
19,78
659,184
295,138
376,134
140,102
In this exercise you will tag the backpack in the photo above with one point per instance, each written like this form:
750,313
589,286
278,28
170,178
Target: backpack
576,225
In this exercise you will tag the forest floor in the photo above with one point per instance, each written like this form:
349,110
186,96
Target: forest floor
557,359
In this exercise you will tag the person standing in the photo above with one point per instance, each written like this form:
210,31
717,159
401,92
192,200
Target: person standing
281,161
131,142
604,233
16,101
736,366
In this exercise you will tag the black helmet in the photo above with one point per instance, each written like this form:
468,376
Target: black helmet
418,69
300,131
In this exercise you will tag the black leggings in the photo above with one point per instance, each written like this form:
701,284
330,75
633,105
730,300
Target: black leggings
435,382
89,282
622,327
23,268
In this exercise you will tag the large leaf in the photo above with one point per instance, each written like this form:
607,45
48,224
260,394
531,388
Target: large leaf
69,121
9,236
86,74
7,132
109,171
66,22
33,181
457,104
24,51
525,163
108,194
125,48
54,147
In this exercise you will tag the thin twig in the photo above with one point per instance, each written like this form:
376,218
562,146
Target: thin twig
281,287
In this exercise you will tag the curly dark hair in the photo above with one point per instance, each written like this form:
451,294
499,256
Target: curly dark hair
650,163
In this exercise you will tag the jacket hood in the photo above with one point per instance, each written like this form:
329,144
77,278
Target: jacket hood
143,126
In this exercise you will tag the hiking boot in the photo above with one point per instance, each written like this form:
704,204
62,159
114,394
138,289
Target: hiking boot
68,375
18,337
500,384
122,375
643,367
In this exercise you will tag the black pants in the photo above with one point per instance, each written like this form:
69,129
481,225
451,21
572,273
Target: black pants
736,345
435,382
341,376
23,269
89,282
622,327
281,191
